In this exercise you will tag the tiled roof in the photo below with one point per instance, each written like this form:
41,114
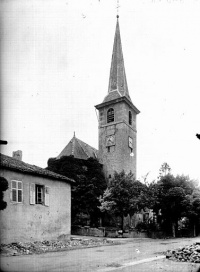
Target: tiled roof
14,164
79,150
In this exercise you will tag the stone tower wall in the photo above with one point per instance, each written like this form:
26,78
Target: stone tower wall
119,158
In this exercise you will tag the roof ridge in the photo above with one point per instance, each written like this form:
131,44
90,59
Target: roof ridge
86,144
12,163
78,149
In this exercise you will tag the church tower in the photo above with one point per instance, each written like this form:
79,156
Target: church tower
117,118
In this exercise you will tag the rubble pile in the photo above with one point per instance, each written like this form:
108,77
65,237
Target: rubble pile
37,247
185,254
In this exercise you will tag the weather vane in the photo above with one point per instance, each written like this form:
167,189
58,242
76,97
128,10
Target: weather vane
118,8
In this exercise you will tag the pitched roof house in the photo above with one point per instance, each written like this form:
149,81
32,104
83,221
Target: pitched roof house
38,202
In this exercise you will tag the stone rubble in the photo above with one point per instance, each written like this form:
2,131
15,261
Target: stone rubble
37,247
185,254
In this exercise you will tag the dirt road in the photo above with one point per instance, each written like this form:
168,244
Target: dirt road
130,255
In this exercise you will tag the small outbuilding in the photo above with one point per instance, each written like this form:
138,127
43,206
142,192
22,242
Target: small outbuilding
38,202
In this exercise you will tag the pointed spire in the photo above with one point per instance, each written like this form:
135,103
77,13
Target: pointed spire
117,80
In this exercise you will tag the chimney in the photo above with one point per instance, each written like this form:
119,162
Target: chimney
17,155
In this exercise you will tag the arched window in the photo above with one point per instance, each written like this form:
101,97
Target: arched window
110,115
130,118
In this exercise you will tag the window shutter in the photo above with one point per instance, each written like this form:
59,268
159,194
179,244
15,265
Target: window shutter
46,197
11,190
20,192
32,193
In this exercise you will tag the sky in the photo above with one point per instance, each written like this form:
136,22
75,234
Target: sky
55,64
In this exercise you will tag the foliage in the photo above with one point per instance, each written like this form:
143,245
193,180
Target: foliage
124,195
3,187
164,170
90,184
176,197
142,226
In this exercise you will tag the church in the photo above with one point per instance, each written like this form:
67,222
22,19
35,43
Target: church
117,126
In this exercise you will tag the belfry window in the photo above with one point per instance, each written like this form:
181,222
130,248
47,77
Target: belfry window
110,115
130,118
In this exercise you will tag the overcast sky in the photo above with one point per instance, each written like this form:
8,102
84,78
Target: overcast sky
55,63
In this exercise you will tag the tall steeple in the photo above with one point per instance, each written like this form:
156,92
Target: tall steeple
117,82
117,119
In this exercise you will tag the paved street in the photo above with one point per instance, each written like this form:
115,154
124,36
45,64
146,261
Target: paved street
128,255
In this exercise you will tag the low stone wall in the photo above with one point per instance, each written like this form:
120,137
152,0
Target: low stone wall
87,231
135,234
112,233
107,232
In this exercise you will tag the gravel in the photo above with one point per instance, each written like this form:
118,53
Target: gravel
185,254
38,247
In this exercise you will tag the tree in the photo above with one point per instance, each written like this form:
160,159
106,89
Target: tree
124,195
175,198
3,187
164,170
90,184
193,209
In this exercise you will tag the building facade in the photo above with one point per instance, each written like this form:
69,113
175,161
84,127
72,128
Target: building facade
38,203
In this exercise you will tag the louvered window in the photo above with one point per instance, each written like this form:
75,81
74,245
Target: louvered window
130,118
16,191
110,115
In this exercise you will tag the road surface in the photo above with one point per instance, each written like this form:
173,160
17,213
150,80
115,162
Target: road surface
131,254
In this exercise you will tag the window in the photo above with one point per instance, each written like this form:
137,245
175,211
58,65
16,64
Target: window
39,194
108,148
39,197
110,115
16,191
130,118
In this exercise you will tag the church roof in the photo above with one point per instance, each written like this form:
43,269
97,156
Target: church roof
117,82
79,150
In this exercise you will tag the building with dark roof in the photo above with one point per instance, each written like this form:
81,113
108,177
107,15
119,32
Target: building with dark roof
117,122
38,202
79,150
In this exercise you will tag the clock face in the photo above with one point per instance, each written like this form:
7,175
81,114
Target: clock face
130,142
110,140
